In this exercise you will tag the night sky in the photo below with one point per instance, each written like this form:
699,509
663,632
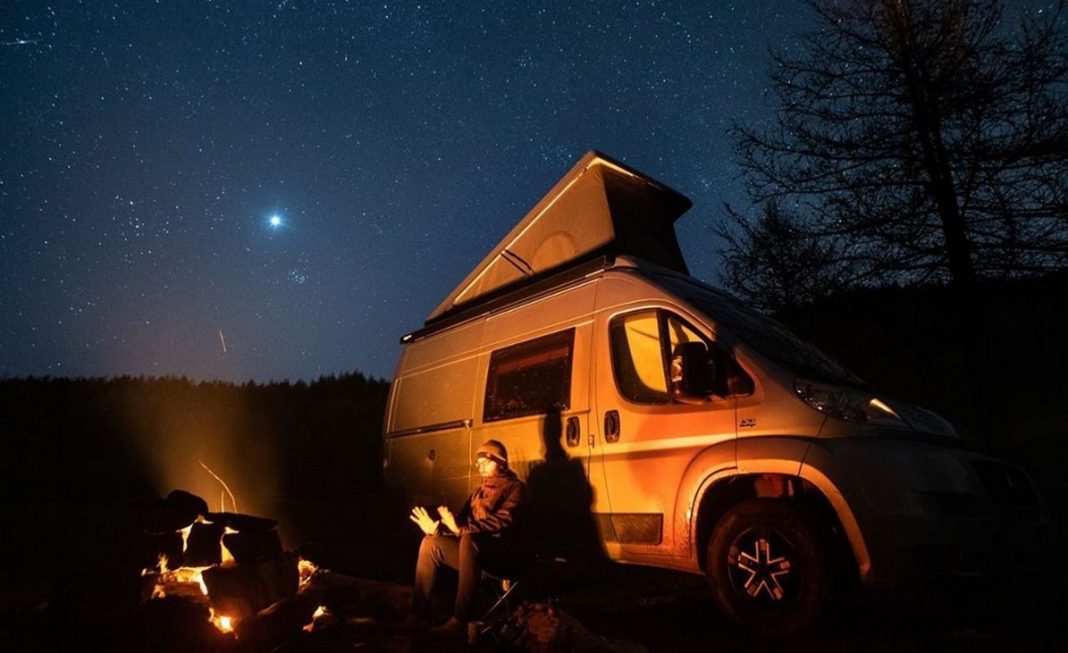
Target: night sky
301,183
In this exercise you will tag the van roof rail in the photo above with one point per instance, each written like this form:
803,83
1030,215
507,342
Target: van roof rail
512,295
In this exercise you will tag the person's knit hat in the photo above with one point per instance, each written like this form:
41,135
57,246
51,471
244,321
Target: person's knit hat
493,450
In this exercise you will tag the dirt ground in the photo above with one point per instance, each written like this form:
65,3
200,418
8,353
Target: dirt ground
634,608
669,612
626,608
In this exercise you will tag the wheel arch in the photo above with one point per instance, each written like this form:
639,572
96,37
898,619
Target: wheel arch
721,492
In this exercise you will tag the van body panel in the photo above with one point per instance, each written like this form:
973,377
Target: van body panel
431,384
433,465
431,413
772,454
714,464
526,438
773,409
435,395
857,542
926,510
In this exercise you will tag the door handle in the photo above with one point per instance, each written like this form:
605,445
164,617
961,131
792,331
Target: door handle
574,432
611,426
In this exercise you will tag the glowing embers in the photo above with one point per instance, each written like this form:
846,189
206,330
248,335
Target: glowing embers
223,623
188,581
322,612
306,570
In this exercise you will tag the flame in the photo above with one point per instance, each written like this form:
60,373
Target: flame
222,622
226,555
185,535
306,569
198,578
319,612
192,575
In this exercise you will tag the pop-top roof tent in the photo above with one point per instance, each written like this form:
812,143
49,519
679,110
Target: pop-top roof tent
601,207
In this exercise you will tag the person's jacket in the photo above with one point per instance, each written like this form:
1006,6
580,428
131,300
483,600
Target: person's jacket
496,507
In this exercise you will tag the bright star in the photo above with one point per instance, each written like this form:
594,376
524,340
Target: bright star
275,221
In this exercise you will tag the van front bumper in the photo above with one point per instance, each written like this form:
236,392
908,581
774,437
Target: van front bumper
928,516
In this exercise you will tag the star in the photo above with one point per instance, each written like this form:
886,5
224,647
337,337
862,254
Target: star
275,221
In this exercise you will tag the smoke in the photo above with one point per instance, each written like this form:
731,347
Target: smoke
203,439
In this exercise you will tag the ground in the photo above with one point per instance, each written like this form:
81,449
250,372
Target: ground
628,608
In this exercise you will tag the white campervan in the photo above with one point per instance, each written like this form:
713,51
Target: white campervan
689,431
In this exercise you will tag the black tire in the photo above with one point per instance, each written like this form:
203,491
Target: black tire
769,567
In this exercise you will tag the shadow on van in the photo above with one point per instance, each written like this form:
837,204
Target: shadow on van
561,520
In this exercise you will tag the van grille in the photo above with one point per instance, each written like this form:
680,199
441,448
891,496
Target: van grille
1008,486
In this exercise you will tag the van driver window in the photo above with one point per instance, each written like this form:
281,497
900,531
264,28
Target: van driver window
530,378
638,357
641,344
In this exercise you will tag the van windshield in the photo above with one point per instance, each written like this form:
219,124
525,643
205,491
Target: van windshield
760,332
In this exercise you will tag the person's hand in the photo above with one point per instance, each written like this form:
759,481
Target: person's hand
448,519
423,520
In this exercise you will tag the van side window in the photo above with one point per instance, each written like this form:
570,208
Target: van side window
530,378
642,343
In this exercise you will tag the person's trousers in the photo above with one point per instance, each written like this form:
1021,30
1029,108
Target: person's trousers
465,554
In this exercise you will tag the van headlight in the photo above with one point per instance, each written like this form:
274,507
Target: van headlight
848,404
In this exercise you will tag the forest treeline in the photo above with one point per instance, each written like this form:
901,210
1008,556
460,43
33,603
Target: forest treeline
110,439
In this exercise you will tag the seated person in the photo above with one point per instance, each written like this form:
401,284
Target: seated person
483,534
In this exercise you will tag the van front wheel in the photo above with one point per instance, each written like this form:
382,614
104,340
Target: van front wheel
768,567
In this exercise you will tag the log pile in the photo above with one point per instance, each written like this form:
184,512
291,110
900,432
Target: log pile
191,546
271,600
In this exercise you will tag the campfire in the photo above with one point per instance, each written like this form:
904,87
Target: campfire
230,564
221,582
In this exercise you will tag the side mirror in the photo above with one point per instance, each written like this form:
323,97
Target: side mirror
692,371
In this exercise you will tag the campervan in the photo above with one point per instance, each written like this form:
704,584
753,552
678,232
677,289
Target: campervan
706,437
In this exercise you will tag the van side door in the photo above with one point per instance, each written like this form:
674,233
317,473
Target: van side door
535,399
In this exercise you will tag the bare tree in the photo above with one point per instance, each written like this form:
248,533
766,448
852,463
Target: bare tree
773,263
920,140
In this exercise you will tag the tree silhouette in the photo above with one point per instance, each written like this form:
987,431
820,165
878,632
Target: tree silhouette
774,263
919,140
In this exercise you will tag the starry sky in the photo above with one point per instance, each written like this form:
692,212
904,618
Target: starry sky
280,190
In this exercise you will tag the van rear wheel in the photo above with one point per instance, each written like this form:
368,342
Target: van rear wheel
768,567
